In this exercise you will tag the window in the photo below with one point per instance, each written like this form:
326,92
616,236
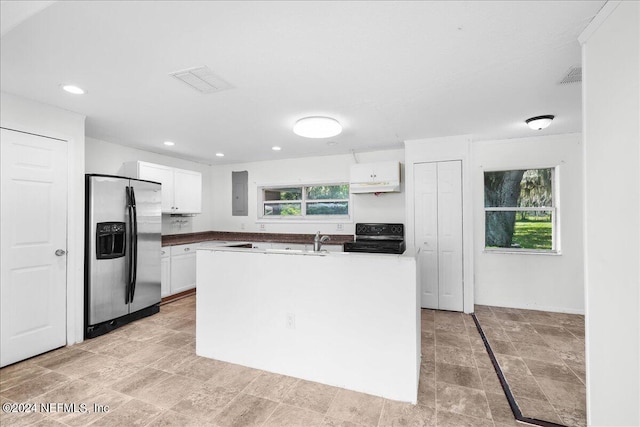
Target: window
520,210
305,202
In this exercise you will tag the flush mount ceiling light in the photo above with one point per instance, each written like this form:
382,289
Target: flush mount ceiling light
219,154
539,122
73,89
169,143
276,148
317,127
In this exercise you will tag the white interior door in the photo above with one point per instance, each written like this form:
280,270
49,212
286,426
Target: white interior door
33,227
438,233
450,286
426,230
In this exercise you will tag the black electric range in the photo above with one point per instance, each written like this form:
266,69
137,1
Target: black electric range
377,238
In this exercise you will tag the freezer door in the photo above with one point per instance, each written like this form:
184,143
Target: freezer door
148,199
107,276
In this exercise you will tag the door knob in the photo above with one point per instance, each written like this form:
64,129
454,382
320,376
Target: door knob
60,252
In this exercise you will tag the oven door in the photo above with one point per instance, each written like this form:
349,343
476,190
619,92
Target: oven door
376,247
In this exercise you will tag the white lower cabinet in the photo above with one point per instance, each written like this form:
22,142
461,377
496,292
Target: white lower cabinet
183,268
165,272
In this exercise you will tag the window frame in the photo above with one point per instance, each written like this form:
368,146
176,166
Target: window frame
303,217
554,209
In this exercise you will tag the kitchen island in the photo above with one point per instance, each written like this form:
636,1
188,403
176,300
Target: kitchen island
349,320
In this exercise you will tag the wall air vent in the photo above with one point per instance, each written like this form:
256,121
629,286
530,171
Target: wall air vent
201,79
574,75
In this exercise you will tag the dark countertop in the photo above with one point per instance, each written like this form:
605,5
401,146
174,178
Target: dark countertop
204,236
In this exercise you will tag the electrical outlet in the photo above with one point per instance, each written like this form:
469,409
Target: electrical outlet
340,227
291,321
263,227
242,226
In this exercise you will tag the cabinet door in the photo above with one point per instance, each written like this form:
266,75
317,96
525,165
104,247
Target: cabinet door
361,172
183,272
163,175
165,273
188,191
386,171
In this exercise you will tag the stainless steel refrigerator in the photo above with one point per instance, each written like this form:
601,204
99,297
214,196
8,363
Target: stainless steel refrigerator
122,251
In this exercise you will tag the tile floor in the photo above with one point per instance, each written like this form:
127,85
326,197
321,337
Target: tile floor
542,357
147,374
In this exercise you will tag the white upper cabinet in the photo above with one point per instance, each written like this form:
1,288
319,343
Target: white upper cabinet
189,197
376,177
181,189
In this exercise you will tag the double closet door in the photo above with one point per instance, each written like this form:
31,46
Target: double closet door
438,233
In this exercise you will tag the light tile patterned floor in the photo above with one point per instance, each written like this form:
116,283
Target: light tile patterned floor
542,357
148,374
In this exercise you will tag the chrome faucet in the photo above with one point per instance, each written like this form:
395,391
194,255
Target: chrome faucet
318,241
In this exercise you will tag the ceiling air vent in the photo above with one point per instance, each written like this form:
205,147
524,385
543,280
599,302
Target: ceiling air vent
574,75
201,79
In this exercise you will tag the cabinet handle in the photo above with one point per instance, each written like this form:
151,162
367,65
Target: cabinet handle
162,252
187,249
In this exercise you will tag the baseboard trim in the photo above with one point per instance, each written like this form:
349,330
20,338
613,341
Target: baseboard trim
179,295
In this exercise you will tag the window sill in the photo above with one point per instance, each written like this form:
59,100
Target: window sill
522,252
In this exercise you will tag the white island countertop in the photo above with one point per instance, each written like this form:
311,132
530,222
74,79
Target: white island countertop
231,247
350,320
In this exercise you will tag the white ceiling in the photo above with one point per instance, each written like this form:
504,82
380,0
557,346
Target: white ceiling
388,71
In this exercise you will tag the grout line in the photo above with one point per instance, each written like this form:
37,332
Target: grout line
384,402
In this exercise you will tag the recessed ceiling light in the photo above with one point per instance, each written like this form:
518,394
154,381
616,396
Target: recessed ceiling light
276,148
73,89
169,143
317,127
539,122
219,154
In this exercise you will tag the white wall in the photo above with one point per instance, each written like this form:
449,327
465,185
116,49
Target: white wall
611,121
30,116
532,281
107,158
388,207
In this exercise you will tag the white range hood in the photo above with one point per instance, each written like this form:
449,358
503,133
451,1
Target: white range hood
379,177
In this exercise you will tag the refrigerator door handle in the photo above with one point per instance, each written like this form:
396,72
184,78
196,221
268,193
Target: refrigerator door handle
130,251
134,248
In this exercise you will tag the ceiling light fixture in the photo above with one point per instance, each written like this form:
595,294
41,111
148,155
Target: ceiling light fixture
276,148
317,127
169,143
219,154
73,89
539,122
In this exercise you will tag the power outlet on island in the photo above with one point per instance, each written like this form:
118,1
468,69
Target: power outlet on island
291,321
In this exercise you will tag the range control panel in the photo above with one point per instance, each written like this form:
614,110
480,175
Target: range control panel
380,231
